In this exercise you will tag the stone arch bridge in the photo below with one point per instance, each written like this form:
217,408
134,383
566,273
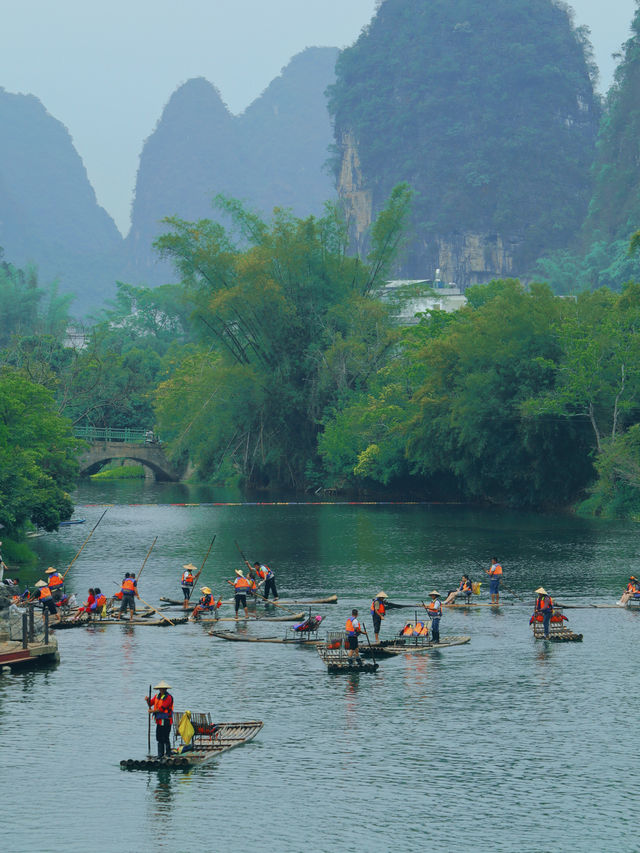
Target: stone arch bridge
141,446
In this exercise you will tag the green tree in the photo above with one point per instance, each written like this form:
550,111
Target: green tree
288,325
469,421
37,457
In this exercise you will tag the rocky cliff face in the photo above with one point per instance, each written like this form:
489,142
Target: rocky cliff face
49,215
496,143
272,155
463,258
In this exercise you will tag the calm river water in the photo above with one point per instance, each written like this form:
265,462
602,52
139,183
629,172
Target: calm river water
505,744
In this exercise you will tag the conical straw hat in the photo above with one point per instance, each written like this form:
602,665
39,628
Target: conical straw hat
382,595
541,591
162,684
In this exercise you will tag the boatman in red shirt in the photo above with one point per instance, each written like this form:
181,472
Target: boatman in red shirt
161,706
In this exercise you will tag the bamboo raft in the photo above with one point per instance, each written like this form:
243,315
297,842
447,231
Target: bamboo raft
329,599
418,645
289,641
293,617
557,634
334,655
95,623
209,741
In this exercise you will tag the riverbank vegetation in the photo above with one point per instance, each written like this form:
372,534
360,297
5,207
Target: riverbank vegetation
276,363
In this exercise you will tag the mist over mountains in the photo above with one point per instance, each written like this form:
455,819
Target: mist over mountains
271,155
487,110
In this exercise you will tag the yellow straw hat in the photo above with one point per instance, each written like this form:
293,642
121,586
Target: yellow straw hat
206,590
382,595
41,583
239,573
162,685
191,567
434,592
541,591
50,570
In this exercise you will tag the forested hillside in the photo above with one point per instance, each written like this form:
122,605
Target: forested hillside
271,156
487,110
48,210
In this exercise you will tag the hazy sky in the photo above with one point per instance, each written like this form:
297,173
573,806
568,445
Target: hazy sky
106,69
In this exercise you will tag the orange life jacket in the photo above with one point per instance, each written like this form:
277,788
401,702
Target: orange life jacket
45,593
420,629
541,603
56,580
496,569
242,583
381,609
101,600
465,586
129,585
434,610
162,707
351,629
187,578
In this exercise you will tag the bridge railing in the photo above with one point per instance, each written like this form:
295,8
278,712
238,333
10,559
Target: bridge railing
132,436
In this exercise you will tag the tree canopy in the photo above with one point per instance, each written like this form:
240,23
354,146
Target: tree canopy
288,324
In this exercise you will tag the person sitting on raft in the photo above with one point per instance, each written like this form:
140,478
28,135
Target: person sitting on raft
465,589
543,606
89,606
377,613
207,603
632,590
46,599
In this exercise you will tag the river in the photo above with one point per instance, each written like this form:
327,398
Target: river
505,744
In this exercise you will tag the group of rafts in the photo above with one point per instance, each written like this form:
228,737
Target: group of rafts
343,650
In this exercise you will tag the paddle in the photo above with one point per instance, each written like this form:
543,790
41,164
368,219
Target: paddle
195,580
85,542
146,558
149,726
162,616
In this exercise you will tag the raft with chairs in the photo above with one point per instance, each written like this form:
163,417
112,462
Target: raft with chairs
415,637
334,654
208,742
558,632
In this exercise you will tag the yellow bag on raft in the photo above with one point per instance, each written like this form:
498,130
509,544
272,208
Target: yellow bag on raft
185,729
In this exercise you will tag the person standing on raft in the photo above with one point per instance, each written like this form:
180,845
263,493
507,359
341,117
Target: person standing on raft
129,594
186,582
434,609
377,613
46,599
544,606
241,587
495,576
55,582
353,629
264,573
161,706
